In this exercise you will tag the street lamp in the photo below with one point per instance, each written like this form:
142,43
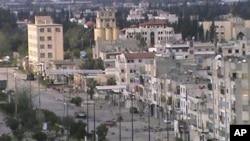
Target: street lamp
120,116
15,76
132,113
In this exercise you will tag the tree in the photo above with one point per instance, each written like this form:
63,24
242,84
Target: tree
102,132
12,123
5,137
40,136
91,87
212,32
77,130
111,81
141,41
76,100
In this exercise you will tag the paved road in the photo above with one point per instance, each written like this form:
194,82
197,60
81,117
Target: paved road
52,100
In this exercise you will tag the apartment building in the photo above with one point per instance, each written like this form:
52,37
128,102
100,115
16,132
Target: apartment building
106,26
45,41
129,65
108,50
235,48
153,32
229,29
229,91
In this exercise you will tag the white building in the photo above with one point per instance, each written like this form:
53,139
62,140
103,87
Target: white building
153,32
129,65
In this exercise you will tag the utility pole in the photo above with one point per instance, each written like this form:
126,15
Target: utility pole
15,76
67,122
94,122
30,96
85,87
120,116
132,116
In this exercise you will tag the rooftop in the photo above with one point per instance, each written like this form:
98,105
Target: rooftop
153,22
143,55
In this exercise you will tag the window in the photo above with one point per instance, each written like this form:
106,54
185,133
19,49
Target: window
48,29
131,80
50,55
131,71
49,38
229,51
236,51
123,80
58,30
41,38
41,46
49,46
140,60
41,29
42,55
122,71
132,61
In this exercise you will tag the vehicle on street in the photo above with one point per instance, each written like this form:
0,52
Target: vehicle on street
133,110
110,123
82,115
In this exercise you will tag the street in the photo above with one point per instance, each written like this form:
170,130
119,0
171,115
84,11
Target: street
54,101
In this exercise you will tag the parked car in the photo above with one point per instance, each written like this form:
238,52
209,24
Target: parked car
30,76
133,110
110,123
81,115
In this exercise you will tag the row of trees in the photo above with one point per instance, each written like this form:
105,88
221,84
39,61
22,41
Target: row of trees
28,122
11,38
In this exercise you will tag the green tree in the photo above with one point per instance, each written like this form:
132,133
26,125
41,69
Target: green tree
102,132
91,87
76,100
212,32
111,81
12,123
141,41
77,130
40,136
5,137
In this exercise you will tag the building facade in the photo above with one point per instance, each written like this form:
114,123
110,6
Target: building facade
106,26
45,41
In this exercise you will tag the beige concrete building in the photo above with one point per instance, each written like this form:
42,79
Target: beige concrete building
228,29
45,41
106,26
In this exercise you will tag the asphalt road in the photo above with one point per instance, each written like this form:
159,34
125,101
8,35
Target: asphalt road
54,101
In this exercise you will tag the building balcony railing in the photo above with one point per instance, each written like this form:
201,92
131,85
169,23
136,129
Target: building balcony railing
222,90
210,86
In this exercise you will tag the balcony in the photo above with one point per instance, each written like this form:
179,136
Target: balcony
219,73
209,73
222,90
210,86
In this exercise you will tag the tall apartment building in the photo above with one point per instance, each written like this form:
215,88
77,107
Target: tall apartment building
45,41
229,91
106,26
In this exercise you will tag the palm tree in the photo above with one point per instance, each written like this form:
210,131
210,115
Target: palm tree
91,83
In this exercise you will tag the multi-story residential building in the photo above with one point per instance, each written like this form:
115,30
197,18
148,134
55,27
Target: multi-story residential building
153,32
45,41
234,48
106,26
107,51
129,65
170,18
229,89
229,29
